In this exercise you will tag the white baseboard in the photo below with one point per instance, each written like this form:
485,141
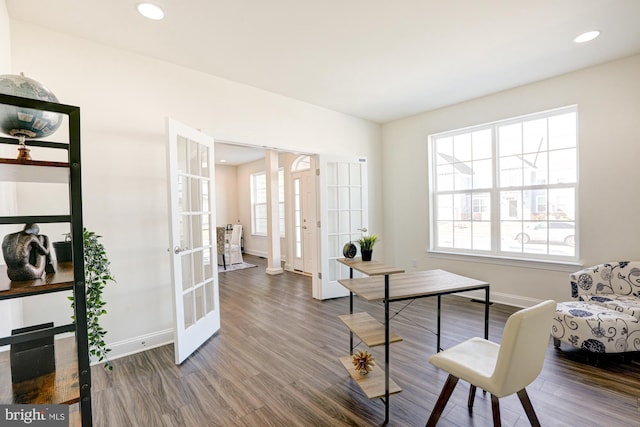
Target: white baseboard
136,345
501,298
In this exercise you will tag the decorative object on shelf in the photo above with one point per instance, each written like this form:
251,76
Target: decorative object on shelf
97,274
349,250
26,254
366,246
23,122
33,358
363,361
63,249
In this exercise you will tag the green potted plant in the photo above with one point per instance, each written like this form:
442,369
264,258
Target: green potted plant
366,246
63,249
97,274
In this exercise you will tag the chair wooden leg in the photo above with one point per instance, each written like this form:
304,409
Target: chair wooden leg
445,394
528,408
472,396
495,407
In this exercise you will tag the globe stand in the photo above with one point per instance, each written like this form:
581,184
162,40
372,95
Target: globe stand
23,151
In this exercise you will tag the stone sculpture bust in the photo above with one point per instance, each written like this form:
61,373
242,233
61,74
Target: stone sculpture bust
26,253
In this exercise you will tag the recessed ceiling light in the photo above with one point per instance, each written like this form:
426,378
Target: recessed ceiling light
223,161
587,37
151,11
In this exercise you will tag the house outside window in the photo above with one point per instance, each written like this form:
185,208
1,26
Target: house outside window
259,203
508,188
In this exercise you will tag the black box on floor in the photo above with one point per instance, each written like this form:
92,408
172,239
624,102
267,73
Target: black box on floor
32,358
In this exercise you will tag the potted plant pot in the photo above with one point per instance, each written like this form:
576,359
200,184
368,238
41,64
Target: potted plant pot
366,246
64,250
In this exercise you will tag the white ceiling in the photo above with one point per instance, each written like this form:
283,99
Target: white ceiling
374,59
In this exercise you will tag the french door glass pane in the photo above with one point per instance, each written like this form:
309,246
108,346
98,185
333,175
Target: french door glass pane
210,297
187,307
199,302
183,146
198,267
183,193
210,256
204,161
206,231
194,158
187,271
196,227
185,231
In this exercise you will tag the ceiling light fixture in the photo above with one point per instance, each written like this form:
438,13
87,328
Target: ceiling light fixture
151,11
587,37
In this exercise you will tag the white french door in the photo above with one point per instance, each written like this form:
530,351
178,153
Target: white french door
192,238
344,216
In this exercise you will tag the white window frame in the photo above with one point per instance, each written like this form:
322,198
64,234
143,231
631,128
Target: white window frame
498,248
255,204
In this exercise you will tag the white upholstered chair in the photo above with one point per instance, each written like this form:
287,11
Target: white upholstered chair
234,247
501,369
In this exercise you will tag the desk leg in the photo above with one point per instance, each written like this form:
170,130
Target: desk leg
350,312
438,348
386,348
486,313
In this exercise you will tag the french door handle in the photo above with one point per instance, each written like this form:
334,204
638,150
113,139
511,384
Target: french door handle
178,249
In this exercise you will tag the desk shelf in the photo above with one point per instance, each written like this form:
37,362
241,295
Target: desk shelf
375,384
372,384
368,329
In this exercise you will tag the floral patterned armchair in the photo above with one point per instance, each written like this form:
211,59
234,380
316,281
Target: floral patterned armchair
606,316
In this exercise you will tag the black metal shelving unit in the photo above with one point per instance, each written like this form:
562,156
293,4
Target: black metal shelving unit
68,276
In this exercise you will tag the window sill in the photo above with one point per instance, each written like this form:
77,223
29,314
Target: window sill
538,264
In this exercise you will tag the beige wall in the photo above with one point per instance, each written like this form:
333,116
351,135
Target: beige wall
226,195
124,100
608,99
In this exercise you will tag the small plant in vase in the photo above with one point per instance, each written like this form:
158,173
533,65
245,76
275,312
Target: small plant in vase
366,246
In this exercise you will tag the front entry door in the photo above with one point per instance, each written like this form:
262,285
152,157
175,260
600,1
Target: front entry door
191,235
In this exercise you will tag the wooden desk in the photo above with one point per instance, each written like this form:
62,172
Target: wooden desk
419,284
377,288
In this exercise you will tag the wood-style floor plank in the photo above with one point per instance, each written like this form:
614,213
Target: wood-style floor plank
275,363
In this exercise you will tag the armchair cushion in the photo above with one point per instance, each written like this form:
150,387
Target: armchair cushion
606,316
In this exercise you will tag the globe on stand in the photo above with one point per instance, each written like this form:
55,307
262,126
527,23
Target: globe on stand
23,122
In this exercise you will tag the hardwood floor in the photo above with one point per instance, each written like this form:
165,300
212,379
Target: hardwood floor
275,363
